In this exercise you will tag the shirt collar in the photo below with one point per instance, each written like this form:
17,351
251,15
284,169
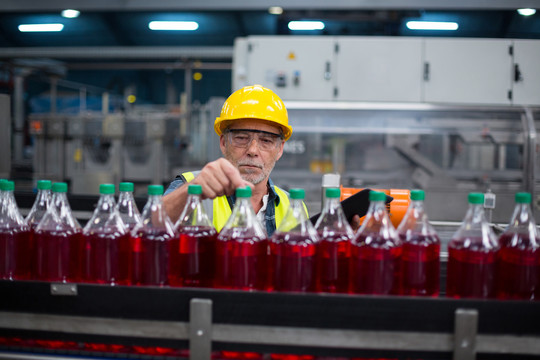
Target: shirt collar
272,195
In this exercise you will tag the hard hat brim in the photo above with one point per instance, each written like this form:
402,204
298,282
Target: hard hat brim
221,124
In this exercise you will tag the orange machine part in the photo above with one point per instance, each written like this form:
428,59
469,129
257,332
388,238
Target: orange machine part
396,209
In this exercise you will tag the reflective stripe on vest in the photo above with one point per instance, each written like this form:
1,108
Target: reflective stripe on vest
219,210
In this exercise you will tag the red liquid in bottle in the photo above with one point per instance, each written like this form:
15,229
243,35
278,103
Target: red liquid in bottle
421,266
150,258
241,264
16,259
518,270
107,258
333,264
58,255
375,270
193,257
471,274
293,263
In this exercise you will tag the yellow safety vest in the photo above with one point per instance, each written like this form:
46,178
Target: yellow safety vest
221,209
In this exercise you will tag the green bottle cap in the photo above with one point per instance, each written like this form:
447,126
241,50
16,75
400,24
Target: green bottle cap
244,192
377,196
155,189
7,185
126,186
297,194
523,198
333,192
476,198
60,187
418,195
194,189
44,184
106,189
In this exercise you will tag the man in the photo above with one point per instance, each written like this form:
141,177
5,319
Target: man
252,127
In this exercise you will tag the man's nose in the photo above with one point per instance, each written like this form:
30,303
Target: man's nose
253,144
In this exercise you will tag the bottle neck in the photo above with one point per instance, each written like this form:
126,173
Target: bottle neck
377,217
125,196
59,199
154,200
416,211
476,214
43,198
106,203
9,207
522,218
377,208
61,205
331,205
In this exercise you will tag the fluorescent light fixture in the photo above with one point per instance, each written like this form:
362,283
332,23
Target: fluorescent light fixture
40,27
526,12
70,13
432,25
173,25
306,25
275,10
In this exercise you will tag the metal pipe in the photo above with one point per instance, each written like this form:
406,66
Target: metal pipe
18,117
120,52
147,66
529,153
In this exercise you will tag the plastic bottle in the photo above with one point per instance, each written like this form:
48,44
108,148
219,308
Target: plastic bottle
193,252
376,252
149,258
293,249
127,208
38,210
333,253
518,263
106,242
76,248
471,255
58,240
241,248
421,250
15,238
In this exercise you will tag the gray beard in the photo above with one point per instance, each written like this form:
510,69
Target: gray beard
254,178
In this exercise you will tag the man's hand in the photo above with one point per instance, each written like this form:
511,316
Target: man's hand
355,223
218,178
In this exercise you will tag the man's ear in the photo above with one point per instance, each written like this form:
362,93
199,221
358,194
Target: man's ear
280,152
222,143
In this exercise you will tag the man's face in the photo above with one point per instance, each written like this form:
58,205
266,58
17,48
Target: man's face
254,163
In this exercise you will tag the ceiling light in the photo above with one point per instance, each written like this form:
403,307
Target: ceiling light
173,25
306,25
526,12
432,25
40,27
70,13
275,10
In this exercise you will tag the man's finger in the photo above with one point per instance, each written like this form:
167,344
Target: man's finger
234,176
355,223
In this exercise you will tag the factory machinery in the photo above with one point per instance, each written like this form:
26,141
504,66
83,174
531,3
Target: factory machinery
426,133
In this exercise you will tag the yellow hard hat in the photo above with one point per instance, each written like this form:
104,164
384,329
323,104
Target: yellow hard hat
254,102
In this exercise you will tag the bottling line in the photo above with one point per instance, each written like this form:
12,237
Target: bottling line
422,134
